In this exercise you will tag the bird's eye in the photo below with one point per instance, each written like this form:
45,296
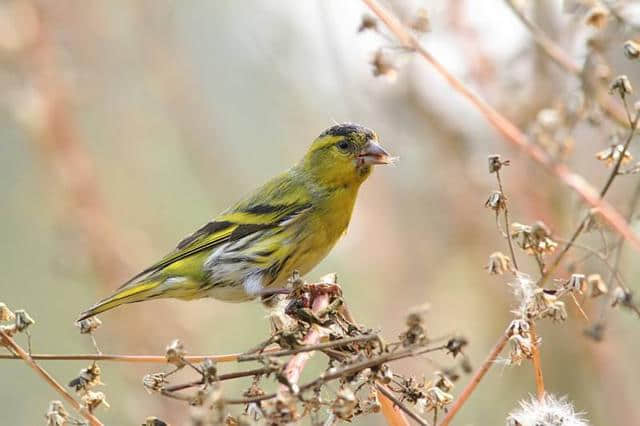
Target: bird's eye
344,146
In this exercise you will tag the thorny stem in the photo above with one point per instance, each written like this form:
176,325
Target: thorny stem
6,340
475,380
509,131
506,221
537,363
396,402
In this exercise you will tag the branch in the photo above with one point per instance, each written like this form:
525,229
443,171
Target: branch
5,339
509,131
151,359
537,363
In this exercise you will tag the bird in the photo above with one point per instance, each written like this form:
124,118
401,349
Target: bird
288,224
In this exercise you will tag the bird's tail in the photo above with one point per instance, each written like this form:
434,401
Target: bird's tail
134,292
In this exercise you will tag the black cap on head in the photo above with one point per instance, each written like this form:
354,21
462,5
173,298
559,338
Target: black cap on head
346,129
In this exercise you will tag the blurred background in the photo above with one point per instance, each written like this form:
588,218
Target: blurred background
126,125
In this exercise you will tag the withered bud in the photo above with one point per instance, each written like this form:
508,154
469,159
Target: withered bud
382,66
368,23
23,320
499,263
632,49
597,17
577,282
175,352
6,314
441,381
209,370
385,375
521,348
345,404
89,325
621,85
155,382
437,398
496,201
612,154
518,326
92,400
455,345
56,414
416,314
596,285
154,421
549,306
420,22
622,297
496,163
89,377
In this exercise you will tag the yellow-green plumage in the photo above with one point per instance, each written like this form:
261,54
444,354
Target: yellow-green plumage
290,223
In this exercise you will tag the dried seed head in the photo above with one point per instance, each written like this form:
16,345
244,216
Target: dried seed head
154,421
89,325
499,263
175,352
155,382
621,85
420,22
535,239
56,414
623,297
382,66
597,17
92,400
209,370
455,345
596,285
611,155
521,349
550,411
6,314
441,381
519,327
548,306
345,404
88,378
496,201
577,283
368,23
23,320
496,163
632,49
384,374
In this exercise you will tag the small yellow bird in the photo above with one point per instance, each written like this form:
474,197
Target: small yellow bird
290,223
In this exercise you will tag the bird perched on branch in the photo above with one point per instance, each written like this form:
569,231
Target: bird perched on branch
290,223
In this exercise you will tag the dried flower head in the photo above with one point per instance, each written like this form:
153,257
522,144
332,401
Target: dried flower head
496,201
632,49
6,314
89,325
577,283
550,411
437,398
621,85
88,378
534,239
624,297
345,405
496,163
597,16
382,66
421,22
93,400
612,154
155,382
455,345
499,263
56,414
596,285
23,320
521,348
175,352
368,22
549,306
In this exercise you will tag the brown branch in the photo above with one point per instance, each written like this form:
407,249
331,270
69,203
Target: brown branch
389,403
5,339
151,359
475,380
537,363
509,131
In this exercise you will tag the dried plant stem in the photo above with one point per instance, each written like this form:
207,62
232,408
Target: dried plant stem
506,221
390,404
537,363
151,359
509,131
476,379
10,343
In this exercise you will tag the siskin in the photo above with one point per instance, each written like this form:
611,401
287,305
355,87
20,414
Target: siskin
290,223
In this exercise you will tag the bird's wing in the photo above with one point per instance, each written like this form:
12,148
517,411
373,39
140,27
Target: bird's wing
276,204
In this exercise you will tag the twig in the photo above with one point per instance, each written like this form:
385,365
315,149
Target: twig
537,363
509,131
151,359
220,378
506,221
9,342
475,380
385,402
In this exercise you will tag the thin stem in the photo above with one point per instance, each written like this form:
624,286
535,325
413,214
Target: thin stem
151,359
506,221
476,379
397,403
509,131
220,378
537,363
5,339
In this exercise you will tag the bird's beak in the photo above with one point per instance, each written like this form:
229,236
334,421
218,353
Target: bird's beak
372,153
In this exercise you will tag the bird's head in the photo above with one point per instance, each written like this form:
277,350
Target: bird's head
343,155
